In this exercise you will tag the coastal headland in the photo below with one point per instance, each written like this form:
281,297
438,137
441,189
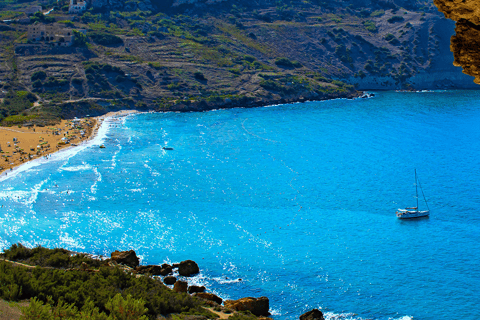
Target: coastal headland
150,292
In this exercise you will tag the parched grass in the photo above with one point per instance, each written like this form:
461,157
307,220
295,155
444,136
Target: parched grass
208,53
18,119
239,35
128,57
6,15
100,26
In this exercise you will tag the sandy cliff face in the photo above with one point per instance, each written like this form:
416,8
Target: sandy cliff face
465,43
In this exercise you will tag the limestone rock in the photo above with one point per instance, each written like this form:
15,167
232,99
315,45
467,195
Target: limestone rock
456,10
180,286
257,306
465,43
465,47
162,270
188,268
209,297
170,280
314,314
195,289
128,258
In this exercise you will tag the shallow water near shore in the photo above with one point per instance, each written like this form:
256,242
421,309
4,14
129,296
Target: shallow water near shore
298,201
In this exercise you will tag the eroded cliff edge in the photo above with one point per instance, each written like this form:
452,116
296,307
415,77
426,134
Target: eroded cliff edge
465,43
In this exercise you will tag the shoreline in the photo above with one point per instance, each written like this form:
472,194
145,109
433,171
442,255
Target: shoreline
95,125
99,120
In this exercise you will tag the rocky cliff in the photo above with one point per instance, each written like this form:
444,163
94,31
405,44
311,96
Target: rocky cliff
465,43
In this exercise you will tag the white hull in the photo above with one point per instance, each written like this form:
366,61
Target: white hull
404,214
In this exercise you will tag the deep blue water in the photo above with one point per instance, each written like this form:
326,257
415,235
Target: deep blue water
296,200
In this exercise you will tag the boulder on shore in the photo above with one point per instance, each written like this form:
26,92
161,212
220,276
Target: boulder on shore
209,297
128,258
188,268
257,306
314,314
195,289
180,286
170,280
154,270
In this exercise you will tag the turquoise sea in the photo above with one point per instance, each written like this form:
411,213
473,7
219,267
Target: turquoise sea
298,201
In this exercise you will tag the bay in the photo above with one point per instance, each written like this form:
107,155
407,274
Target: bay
298,201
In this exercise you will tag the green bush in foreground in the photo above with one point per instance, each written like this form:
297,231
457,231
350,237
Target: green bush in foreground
57,258
80,289
119,308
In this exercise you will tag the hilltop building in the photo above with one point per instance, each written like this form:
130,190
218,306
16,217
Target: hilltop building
53,34
77,6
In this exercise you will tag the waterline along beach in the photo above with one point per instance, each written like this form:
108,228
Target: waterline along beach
24,144
296,200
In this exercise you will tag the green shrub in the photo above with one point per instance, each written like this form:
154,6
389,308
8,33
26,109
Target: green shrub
126,309
77,81
118,309
395,19
199,76
370,26
38,75
377,13
389,37
105,38
285,62
79,40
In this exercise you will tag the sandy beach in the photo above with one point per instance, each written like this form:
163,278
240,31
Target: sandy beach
20,145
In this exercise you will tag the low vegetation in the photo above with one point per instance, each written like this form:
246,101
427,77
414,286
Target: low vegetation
76,286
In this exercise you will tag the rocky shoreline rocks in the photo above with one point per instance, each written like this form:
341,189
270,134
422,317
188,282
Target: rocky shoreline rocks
257,306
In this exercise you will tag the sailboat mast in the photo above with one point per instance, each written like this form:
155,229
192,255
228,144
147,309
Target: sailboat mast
416,186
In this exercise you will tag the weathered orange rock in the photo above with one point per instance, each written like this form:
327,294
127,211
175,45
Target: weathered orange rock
180,286
188,268
465,44
314,314
209,297
128,258
257,306
460,9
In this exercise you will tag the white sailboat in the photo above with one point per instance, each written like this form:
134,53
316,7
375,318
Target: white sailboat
413,212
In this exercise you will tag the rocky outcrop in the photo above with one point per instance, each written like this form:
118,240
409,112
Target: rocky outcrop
465,44
195,289
162,270
180,286
465,47
209,297
188,268
314,314
457,10
170,280
257,306
128,258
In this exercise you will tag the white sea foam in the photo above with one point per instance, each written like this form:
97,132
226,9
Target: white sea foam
98,175
83,167
63,154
